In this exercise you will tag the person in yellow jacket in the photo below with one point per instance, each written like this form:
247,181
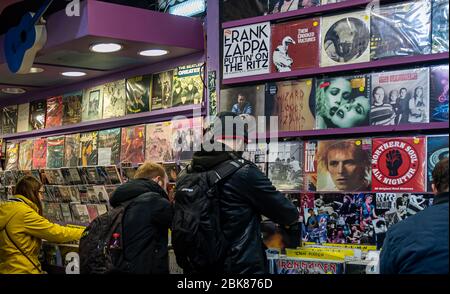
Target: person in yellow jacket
22,228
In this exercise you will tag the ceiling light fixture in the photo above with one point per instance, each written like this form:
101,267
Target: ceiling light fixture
14,91
73,74
154,52
106,47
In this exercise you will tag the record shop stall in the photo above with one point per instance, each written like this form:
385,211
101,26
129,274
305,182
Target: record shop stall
83,120
345,80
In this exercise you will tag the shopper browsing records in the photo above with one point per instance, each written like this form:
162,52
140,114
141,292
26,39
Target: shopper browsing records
381,113
146,220
419,244
22,228
242,194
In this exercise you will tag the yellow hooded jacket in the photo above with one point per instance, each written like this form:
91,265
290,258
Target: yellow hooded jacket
27,228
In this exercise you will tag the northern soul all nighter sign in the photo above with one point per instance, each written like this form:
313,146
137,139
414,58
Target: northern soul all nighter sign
246,50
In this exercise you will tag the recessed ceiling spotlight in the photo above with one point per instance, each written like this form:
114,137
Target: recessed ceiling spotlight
36,70
105,47
13,91
73,74
154,52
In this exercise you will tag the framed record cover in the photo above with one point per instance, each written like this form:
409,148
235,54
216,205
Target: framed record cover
9,119
187,85
439,23
284,168
88,152
23,114
133,144
73,108
344,165
138,94
293,102
162,90
38,110
310,166
159,142
343,102
398,164
439,93
114,99
437,149
40,153
55,152
295,45
345,38
12,156
401,29
109,147
400,97
278,6
72,149
246,50
54,112
93,103
26,155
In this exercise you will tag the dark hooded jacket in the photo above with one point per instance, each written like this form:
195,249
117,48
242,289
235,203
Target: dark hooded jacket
145,226
244,197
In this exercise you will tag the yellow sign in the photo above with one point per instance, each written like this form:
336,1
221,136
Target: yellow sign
315,254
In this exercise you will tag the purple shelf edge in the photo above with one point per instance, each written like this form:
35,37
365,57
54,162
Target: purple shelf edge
300,12
129,120
340,68
357,130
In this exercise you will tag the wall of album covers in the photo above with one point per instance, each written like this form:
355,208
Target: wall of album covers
177,87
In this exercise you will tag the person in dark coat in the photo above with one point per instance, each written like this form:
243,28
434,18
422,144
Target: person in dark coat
244,197
419,244
146,221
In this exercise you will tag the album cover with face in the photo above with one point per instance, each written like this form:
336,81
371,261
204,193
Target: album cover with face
345,38
88,154
343,102
439,93
162,90
437,149
295,45
54,112
344,165
73,108
114,99
401,29
398,164
138,93
40,153
133,144
38,109
400,97
187,85
439,22
12,156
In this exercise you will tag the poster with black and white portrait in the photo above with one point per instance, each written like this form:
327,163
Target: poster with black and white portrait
246,50
345,39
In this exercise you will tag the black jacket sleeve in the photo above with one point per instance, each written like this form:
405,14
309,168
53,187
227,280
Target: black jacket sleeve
163,212
267,200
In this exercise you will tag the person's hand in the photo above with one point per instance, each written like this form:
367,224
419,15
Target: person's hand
393,162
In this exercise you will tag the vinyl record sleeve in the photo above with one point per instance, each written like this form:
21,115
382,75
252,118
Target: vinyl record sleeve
159,142
9,119
72,149
285,165
12,156
55,152
187,85
88,152
54,112
38,110
138,94
93,103
440,19
26,155
23,114
279,6
114,99
40,153
162,90
72,108
109,146
439,93
133,144
437,149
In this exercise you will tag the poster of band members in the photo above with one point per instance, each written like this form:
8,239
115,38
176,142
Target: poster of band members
138,94
40,153
401,29
23,113
186,137
25,155
439,93
238,9
344,165
295,45
54,112
398,164
93,103
109,147
133,144
440,21
400,97
71,150
293,102
162,90
437,149
310,166
55,152
88,152
345,39
296,266
285,165
340,218
277,6
342,102
72,108
114,99
38,110
246,50
158,146
187,85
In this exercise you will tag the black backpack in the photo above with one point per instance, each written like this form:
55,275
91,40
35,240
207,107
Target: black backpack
197,237
96,256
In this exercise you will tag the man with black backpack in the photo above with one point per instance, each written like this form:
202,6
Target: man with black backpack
219,200
133,236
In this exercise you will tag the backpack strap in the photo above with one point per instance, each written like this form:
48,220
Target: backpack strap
226,169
